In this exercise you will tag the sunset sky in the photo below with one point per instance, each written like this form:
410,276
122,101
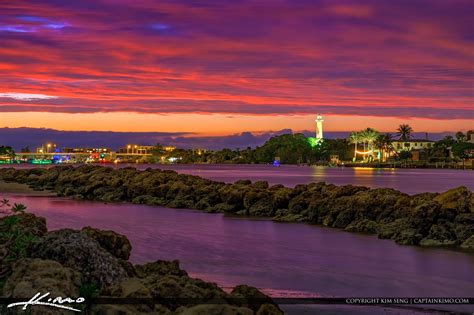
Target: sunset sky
222,67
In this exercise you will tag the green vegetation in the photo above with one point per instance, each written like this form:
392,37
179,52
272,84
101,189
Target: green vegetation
13,237
404,131
7,154
367,145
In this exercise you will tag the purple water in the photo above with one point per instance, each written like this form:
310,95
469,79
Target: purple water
281,258
410,181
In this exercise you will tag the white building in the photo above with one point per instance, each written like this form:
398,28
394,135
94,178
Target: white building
412,144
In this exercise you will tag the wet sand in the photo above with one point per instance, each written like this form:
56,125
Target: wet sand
23,189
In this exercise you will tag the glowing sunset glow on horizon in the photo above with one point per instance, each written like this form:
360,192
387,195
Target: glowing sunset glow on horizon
215,124
216,67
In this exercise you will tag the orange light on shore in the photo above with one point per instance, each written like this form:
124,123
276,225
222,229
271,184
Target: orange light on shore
364,153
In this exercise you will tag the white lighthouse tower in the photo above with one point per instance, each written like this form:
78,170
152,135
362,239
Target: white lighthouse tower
319,128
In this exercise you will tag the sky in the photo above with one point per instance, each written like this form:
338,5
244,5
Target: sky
215,68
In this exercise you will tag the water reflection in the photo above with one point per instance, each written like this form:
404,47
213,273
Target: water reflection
410,181
281,258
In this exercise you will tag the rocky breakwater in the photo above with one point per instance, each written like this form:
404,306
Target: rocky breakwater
427,219
93,264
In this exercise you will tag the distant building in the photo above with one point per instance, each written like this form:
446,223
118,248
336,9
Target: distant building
412,144
199,151
470,137
47,148
169,148
136,149
86,150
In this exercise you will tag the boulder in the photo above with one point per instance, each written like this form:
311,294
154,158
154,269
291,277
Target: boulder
160,267
251,297
78,251
214,309
128,288
440,235
457,199
32,276
362,226
269,309
468,244
115,243
27,223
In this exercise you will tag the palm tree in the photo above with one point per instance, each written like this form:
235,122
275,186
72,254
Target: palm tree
460,137
370,136
7,152
384,144
355,138
404,132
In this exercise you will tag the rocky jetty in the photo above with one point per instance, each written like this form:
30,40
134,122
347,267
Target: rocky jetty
428,219
92,264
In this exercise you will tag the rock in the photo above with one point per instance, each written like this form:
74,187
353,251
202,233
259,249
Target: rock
187,290
78,251
390,213
261,185
259,204
116,244
362,226
214,309
344,218
289,217
128,288
440,235
160,267
28,223
458,199
251,297
468,244
31,276
129,309
281,196
408,236
269,309
390,230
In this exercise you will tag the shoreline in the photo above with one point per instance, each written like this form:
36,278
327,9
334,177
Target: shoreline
427,219
94,265
348,164
23,189
140,276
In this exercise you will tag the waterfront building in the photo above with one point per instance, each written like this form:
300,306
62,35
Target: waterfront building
412,144
86,150
470,136
136,149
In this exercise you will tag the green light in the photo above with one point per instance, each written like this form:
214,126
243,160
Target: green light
37,161
313,142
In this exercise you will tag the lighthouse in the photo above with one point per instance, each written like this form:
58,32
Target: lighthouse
319,128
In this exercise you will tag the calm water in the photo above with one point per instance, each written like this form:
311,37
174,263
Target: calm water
410,181
283,259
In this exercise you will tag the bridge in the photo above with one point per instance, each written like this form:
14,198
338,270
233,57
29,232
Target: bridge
34,154
48,157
